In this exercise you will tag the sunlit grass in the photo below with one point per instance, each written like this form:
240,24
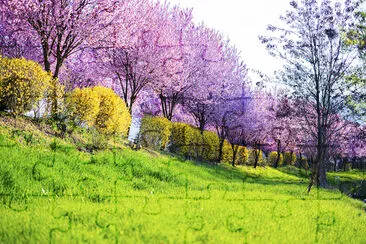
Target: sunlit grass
52,192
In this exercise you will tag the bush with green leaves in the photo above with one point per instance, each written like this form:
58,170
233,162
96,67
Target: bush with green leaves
302,163
273,157
210,146
190,142
289,158
253,154
183,140
155,132
227,153
242,156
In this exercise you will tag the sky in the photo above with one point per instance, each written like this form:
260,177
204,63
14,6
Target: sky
242,21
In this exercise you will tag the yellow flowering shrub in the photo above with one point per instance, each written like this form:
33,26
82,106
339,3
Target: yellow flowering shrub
55,97
242,154
101,108
22,84
181,139
113,115
83,106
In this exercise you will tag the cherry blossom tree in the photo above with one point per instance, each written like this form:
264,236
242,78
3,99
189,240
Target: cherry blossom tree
133,63
180,67
284,127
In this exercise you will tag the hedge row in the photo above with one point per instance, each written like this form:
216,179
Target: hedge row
287,158
155,132
190,142
160,134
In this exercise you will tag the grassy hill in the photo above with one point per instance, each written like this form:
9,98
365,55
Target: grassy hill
56,190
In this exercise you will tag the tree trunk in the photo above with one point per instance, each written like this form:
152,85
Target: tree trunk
54,105
257,151
322,177
322,162
278,153
300,159
318,176
168,105
235,153
221,146
202,148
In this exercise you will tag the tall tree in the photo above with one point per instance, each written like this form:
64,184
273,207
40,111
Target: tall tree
316,63
177,60
133,63
284,127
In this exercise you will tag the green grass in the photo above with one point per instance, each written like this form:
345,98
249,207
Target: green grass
51,192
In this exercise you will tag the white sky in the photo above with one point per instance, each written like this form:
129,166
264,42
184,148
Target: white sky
242,21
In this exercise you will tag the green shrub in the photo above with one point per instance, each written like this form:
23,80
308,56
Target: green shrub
273,157
189,142
252,155
289,158
303,163
242,155
227,153
98,140
210,148
155,132
183,140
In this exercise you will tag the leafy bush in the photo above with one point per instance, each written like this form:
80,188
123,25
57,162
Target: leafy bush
182,139
189,142
289,158
242,155
210,147
155,132
227,153
302,163
252,155
273,157
101,108
22,84
55,100
28,137
98,141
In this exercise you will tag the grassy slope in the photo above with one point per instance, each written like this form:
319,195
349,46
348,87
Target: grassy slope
56,193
